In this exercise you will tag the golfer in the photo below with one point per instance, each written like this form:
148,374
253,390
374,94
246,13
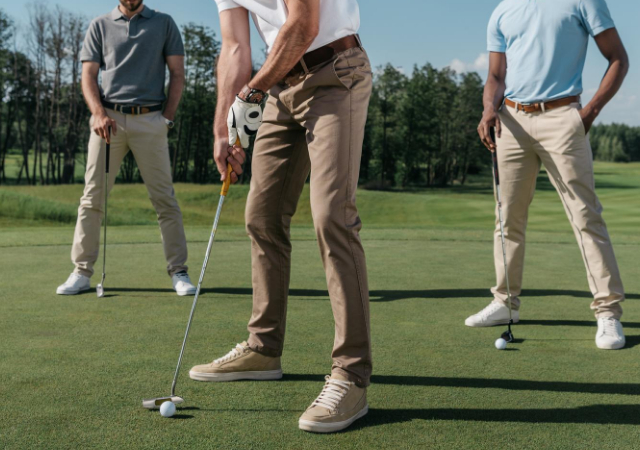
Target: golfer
131,45
532,97
318,80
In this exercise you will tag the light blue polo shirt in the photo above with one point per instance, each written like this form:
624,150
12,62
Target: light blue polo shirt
546,45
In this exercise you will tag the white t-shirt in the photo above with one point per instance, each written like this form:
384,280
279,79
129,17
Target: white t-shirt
338,18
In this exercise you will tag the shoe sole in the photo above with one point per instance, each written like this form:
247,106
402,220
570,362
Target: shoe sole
235,376
185,293
65,292
615,347
492,324
321,427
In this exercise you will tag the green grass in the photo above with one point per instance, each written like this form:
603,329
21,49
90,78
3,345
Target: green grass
74,369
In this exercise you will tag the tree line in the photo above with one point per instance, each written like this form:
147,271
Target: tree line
421,129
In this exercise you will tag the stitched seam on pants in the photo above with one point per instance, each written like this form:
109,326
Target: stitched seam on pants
581,241
532,191
349,235
284,286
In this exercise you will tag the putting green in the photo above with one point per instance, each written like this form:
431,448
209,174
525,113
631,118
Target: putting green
75,369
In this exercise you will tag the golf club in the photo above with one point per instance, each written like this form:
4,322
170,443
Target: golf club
154,403
100,286
507,335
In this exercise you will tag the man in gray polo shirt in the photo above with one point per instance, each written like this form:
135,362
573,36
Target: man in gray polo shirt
131,46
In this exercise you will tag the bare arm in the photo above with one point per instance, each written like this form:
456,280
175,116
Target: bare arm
233,72
492,98
613,50
176,85
295,37
91,91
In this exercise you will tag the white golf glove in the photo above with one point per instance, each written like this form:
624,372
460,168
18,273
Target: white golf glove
243,121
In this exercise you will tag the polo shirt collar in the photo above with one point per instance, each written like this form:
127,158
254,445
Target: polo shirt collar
146,13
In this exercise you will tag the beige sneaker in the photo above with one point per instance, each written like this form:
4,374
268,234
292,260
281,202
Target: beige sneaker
241,363
339,404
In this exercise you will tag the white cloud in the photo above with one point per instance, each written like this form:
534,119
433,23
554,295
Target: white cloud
481,64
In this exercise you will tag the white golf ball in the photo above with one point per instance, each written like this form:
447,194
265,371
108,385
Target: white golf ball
167,409
501,344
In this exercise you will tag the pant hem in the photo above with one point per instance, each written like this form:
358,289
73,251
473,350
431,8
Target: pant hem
360,382
259,348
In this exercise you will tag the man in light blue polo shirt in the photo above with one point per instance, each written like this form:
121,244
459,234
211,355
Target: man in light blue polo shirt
532,98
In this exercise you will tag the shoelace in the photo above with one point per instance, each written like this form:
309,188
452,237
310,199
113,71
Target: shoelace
332,393
609,327
490,309
237,351
73,278
183,276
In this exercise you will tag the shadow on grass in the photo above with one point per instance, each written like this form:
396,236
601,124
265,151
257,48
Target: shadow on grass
572,323
388,295
594,414
392,295
488,383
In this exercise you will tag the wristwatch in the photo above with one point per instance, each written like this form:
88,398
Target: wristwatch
170,123
251,95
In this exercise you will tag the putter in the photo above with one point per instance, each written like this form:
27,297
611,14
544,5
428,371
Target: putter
507,335
154,403
100,286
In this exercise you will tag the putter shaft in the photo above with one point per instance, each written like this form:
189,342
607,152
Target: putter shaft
195,299
223,195
100,287
496,179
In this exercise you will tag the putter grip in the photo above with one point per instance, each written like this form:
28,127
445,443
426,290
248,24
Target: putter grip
108,152
227,182
494,157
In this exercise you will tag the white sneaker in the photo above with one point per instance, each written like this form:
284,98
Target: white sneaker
610,335
495,314
74,285
182,284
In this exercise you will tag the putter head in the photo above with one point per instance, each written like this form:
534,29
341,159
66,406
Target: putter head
154,403
100,287
508,336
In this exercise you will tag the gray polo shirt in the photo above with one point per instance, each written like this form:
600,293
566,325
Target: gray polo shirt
131,54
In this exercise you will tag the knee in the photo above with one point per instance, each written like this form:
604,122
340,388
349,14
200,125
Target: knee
262,223
92,200
164,201
329,220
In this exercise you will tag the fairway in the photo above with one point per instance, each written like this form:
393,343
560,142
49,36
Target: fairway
74,369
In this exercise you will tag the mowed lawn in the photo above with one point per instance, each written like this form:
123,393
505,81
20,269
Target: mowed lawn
74,370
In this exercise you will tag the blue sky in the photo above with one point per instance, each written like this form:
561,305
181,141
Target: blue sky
409,32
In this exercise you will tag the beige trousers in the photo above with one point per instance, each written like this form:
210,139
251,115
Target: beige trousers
557,139
317,127
146,136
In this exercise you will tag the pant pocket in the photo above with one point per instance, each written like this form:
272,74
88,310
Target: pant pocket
576,112
350,69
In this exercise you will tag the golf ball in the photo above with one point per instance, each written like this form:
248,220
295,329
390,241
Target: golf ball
167,409
501,344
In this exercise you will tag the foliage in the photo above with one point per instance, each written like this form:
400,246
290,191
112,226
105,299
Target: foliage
615,142
421,129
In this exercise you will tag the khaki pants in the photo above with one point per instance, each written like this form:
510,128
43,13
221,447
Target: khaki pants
315,126
146,136
557,139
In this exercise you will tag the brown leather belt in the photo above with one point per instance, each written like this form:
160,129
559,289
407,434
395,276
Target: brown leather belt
324,54
542,106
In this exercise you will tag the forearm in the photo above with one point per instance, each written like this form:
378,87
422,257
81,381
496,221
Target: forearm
493,93
233,72
609,86
290,46
176,85
91,93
